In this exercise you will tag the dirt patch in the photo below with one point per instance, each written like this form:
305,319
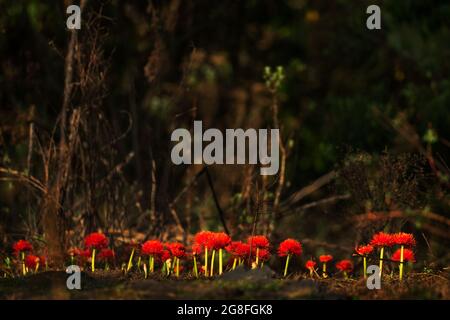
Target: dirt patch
115,285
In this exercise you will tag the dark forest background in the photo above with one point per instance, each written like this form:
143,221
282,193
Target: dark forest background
86,118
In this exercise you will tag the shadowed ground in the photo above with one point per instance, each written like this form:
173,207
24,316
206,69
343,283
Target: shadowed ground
240,284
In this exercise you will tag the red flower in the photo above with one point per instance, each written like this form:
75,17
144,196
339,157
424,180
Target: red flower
408,255
238,249
96,240
263,255
31,261
219,240
106,254
203,238
176,249
86,253
74,252
310,265
196,249
165,255
382,239
325,258
404,239
344,265
260,242
289,247
152,248
22,245
364,250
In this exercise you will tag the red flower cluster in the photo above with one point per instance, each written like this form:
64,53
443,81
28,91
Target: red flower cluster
22,246
96,240
196,249
404,239
31,261
408,255
219,240
238,249
344,265
310,265
165,255
203,238
325,258
260,242
176,249
364,250
106,254
382,239
289,247
152,248
263,255
77,252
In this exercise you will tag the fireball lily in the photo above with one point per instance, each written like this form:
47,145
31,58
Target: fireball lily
403,239
151,249
364,251
218,242
95,241
203,238
288,248
325,259
19,248
311,266
260,243
345,266
382,240
178,251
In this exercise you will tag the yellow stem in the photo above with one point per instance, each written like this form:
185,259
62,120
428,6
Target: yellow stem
130,261
234,263
212,262
24,270
401,263
195,267
287,264
93,260
206,261
324,270
220,262
365,267
257,256
381,261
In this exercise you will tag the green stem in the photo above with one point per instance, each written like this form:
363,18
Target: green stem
381,261
220,262
152,263
93,260
287,264
195,267
130,261
212,262
401,263
139,263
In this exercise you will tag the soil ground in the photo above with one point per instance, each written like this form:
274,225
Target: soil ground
240,284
